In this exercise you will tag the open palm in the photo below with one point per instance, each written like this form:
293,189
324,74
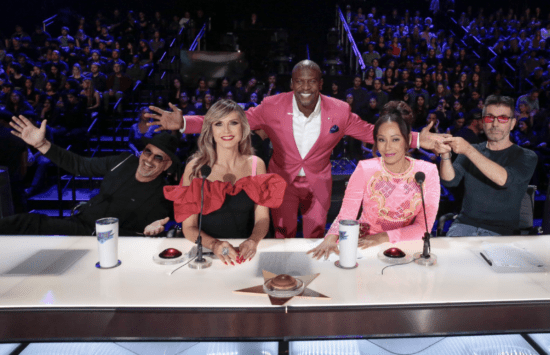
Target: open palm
27,131
166,120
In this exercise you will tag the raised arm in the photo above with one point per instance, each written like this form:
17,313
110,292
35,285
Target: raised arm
30,134
446,167
73,163
362,130
174,120
489,168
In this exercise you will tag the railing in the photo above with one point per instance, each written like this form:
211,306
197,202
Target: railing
48,22
135,94
350,48
196,45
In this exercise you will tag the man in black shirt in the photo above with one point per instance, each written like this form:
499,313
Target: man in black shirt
132,188
496,174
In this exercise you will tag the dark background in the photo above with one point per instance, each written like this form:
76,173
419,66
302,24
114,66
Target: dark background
307,20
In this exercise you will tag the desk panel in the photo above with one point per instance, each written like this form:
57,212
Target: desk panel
140,300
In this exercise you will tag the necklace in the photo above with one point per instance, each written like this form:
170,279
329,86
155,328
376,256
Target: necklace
404,167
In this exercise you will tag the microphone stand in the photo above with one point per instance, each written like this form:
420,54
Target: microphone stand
425,258
201,262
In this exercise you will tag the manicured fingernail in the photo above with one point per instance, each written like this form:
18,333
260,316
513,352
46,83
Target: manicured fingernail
232,264
250,259
225,263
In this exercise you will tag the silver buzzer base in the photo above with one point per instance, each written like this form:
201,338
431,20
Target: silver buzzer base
432,260
297,290
206,263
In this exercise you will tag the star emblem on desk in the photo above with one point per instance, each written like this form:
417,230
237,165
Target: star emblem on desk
259,290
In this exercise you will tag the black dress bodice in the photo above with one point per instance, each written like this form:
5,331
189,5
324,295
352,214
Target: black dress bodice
235,219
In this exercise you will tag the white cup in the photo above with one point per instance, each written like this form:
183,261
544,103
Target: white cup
349,237
107,241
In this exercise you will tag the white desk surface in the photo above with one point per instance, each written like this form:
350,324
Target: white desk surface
460,276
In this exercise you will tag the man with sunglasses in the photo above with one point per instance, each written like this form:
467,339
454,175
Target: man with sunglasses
131,190
496,174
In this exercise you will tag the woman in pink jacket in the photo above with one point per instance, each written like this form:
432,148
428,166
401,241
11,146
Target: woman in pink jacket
386,189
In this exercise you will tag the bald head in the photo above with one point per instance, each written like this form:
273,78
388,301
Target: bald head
306,84
307,64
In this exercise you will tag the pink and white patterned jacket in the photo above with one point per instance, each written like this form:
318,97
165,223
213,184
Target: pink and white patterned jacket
391,202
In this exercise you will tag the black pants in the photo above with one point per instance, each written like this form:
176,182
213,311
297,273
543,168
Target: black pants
39,224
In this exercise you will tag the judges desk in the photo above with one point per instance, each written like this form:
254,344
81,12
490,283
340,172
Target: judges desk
461,294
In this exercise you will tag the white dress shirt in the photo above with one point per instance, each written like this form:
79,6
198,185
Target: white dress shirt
306,129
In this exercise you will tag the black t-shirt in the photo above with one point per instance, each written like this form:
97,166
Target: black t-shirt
487,205
120,203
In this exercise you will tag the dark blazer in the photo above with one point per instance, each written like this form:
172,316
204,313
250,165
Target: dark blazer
149,206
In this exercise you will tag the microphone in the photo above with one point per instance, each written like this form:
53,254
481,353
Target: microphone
205,171
200,262
420,177
424,258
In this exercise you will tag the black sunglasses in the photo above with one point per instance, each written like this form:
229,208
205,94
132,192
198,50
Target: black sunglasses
157,157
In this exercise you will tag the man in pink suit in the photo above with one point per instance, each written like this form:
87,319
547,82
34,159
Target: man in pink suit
304,127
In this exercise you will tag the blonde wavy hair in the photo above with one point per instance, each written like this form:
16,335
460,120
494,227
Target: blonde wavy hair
206,153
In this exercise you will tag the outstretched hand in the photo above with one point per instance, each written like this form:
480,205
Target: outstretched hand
458,144
428,139
156,227
328,246
27,131
441,148
166,120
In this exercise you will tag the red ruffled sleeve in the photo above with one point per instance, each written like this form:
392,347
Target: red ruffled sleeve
265,190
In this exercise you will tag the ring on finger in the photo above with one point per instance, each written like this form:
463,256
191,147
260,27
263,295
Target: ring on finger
225,251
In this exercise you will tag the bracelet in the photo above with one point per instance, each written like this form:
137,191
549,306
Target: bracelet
449,158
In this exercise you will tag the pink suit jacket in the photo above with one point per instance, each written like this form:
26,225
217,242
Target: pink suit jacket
274,115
